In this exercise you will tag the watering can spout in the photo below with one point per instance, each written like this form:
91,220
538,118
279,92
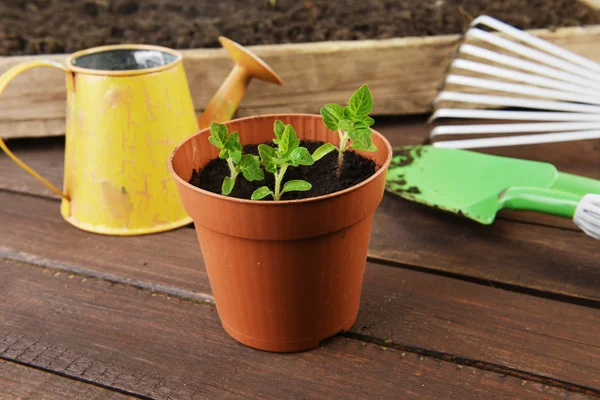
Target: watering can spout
226,100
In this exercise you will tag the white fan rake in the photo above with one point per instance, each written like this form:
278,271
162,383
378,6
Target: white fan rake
535,89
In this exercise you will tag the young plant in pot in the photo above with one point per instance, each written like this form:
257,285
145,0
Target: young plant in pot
285,248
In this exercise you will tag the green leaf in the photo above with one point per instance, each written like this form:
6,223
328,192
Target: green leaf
361,102
296,186
250,168
345,125
332,114
348,113
301,156
227,186
289,142
323,151
224,154
233,142
278,128
218,135
368,120
266,157
261,193
359,146
235,155
364,137
358,125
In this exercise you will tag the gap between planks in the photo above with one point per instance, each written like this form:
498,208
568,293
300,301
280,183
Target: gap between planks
207,299
575,157
30,349
18,377
391,242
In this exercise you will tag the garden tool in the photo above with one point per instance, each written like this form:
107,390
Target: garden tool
523,83
478,185
127,108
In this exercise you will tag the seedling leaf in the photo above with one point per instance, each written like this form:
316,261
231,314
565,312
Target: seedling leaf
301,156
296,186
289,142
352,124
368,120
250,168
266,157
261,193
322,151
361,102
218,135
233,142
359,146
227,186
332,114
363,136
236,156
348,113
345,125
278,128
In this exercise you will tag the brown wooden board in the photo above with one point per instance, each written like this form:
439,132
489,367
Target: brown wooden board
35,227
21,382
456,320
46,156
162,347
413,309
403,74
524,255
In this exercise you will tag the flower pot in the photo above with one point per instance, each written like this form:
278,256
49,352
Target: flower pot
285,275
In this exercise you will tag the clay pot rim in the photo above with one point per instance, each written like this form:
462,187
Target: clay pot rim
382,168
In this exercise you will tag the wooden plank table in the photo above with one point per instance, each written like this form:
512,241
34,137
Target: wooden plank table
450,309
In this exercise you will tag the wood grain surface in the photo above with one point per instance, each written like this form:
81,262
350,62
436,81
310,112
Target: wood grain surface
459,310
162,347
403,74
46,156
401,306
22,382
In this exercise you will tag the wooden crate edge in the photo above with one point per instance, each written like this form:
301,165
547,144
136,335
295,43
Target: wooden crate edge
403,74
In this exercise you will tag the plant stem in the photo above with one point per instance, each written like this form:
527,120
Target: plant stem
278,179
343,140
232,169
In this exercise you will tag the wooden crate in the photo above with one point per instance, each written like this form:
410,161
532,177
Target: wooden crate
403,73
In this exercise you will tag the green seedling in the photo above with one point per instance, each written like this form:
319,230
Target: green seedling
352,123
277,160
231,150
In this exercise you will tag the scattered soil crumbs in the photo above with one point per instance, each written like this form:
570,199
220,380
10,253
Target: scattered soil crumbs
65,26
322,175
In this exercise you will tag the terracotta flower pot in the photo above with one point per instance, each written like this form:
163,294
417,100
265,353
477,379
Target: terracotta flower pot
285,275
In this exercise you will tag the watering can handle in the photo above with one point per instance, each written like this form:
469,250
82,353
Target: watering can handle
8,76
584,210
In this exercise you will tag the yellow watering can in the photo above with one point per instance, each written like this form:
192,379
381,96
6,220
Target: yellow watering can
127,108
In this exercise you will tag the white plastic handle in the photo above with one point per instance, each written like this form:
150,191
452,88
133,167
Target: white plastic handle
587,215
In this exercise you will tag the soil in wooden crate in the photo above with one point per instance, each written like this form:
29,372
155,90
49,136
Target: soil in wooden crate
322,175
58,26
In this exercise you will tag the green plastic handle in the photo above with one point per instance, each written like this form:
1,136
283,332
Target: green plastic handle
576,184
546,201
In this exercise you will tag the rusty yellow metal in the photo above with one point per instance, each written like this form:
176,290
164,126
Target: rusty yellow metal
121,128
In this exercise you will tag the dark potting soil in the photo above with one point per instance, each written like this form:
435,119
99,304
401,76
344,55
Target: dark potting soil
322,174
65,26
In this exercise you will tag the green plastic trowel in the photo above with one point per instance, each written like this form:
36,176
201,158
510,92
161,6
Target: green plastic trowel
478,185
